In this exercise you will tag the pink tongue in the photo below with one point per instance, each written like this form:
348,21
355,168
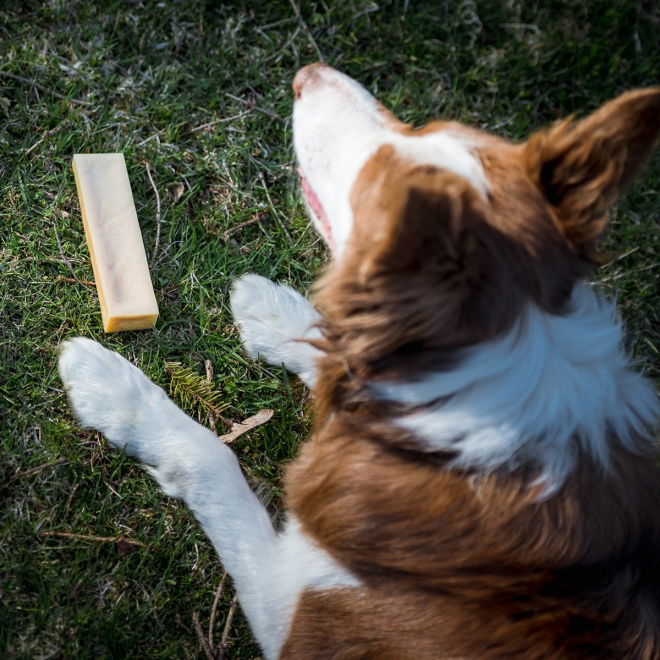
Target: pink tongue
312,199
317,210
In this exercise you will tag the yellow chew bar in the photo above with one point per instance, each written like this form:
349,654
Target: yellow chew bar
115,242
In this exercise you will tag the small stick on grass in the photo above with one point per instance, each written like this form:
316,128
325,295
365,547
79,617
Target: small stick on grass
36,470
272,206
43,88
304,26
239,428
71,280
48,134
225,633
242,225
287,43
214,609
72,494
98,539
221,120
65,259
154,254
265,111
200,634
209,379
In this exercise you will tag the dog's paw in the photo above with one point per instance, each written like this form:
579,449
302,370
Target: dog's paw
111,395
272,319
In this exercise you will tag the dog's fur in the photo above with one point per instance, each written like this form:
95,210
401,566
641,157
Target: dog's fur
480,482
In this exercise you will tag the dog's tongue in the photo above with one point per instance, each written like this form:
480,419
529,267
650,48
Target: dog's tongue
317,209
310,195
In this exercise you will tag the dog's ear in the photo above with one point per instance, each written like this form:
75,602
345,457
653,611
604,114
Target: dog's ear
410,218
417,264
582,167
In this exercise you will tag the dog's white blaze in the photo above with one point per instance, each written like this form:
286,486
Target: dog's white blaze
338,126
551,386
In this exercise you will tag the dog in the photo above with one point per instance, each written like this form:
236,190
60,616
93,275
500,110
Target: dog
481,479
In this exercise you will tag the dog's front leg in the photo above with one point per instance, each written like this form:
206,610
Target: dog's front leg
189,462
274,321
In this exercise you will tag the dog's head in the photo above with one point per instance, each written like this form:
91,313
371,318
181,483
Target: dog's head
446,231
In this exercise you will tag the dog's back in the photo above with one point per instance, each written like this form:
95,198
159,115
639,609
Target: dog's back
454,567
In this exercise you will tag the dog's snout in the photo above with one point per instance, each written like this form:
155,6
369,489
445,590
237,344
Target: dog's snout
305,76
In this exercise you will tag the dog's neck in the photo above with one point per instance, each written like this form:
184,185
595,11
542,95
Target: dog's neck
550,388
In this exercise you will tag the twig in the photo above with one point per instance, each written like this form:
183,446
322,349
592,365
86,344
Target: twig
71,280
627,253
303,25
272,206
222,120
241,225
239,428
69,499
89,537
209,379
225,633
282,21
252,105
34,83
287,43
112,490
214,608
65,259
48,134
154,254
202,639
36,470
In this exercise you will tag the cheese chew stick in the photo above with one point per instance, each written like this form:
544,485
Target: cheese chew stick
115,242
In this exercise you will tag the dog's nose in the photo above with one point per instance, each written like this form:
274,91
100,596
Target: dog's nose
305,76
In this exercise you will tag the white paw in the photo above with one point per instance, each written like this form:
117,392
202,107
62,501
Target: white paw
108,393
271,319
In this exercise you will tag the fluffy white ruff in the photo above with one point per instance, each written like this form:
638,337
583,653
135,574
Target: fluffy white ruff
338,126
272,319
269,569
552,386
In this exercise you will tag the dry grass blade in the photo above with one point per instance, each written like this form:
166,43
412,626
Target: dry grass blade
214,609
306,29
154,254
71,280
43,88
36,470
47,135
242,225
200,635
90,537
223,646
66,259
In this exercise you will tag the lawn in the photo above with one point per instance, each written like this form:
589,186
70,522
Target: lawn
94,561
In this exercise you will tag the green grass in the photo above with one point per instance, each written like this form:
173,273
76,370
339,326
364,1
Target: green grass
142,78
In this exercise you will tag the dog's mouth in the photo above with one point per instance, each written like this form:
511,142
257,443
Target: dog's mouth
317,212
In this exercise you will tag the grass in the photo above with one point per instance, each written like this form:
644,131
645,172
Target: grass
200,93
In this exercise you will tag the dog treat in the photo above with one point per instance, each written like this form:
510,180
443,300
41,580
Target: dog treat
115,243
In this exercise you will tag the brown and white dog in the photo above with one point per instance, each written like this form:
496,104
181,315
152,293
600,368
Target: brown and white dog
480,482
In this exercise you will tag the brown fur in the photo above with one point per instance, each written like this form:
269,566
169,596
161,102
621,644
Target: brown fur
457,564
480,568
583,167
431,267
